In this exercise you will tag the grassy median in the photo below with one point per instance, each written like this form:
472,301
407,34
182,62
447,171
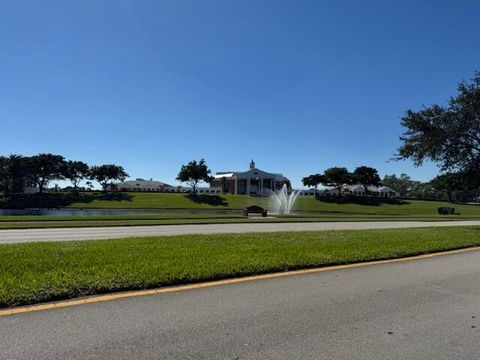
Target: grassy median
37,272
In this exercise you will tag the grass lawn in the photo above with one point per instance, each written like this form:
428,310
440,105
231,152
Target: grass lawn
304,204
307,208
36,272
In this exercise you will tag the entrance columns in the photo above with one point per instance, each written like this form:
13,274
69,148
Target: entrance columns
236,186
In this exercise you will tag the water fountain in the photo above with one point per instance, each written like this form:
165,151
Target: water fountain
282,202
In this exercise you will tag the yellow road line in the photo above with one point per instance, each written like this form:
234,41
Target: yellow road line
171,289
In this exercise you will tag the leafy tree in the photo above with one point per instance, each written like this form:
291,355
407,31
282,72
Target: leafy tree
193,173
4,176
76,171
313,181
447,135
42,168
403,183
366,176
337,177
105,175
288,183
16,174
450,184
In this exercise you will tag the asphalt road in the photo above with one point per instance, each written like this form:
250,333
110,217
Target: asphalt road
66,234
424,309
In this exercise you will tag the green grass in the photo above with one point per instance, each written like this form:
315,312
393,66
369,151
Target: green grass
137,200
304,203
36,272
308,208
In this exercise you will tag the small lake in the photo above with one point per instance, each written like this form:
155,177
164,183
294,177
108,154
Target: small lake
100,212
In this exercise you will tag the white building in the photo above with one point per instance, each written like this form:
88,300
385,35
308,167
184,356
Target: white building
143,185
251,182
359,190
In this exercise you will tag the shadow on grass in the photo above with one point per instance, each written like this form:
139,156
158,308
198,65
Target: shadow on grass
58,200
213,200
369,201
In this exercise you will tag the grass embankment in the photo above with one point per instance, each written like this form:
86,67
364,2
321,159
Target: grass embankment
385,207
354,206
36,272
307,208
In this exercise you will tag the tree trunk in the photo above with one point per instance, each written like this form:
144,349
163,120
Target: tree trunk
450,197
366,190
40,187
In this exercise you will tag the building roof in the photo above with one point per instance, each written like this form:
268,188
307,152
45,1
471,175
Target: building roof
142,183
252,173
358,187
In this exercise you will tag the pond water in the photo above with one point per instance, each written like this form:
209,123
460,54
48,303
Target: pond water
99,212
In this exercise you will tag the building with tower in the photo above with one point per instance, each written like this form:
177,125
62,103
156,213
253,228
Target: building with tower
251,182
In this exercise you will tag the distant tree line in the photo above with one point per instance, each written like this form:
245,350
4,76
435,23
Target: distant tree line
18,172
449,186
337,177
453,187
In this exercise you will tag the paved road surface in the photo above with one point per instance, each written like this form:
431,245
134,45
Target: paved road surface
61,234
425,309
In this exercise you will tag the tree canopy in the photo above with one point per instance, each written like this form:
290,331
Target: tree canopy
107,174
366,176
313,181
402,183
450,184
447,135
76,171
193,173
42,168
336,177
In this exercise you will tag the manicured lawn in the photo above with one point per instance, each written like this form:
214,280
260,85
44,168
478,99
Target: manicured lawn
173,201
304,204
307,208
35,272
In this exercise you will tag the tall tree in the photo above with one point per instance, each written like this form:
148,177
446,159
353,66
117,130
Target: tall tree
449,184
403,183
42,168
193,173
107,174
366,176
313,181
288,184
337,177
447,135
4,178
16,174
76,171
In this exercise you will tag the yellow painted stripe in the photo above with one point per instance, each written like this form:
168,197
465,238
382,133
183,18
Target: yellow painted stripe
171,289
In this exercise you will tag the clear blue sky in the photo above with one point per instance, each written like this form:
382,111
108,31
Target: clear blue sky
298,86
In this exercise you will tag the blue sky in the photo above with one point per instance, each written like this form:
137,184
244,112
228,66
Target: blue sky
298,86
